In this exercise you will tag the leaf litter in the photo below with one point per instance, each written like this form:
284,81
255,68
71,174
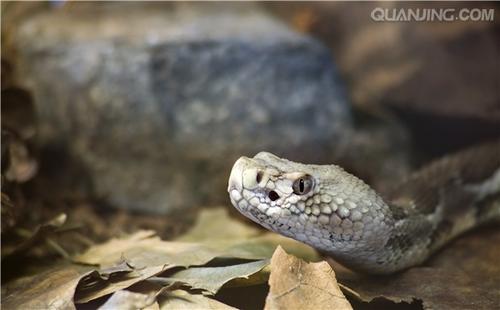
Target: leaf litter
121,263
142,271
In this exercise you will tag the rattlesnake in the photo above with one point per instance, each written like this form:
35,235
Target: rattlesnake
338,214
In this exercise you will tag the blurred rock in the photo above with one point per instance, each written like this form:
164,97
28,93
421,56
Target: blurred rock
158,100
440,78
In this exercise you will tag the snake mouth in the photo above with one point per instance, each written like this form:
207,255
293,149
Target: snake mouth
248,175
247,190
243,175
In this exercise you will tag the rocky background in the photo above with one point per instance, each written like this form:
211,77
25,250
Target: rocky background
115,113
155,102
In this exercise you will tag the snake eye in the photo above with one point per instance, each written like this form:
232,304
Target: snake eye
302,185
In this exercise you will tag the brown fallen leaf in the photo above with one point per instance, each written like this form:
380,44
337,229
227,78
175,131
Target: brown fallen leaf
142,295
149,255
40,234
53,289
102,287
465,275
180,300
124,262
127,300
208,227
239,237
144,250
211,279
295,284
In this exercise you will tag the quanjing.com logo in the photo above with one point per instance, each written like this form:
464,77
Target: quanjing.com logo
432,15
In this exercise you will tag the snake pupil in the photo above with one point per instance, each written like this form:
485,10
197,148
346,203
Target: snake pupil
302,185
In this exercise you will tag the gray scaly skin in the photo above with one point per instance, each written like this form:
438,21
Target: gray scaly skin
340,215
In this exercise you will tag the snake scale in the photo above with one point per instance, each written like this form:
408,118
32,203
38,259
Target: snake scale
341,216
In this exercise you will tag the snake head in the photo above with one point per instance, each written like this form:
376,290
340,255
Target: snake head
321,205
270,190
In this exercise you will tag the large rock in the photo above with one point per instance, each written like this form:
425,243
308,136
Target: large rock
158,100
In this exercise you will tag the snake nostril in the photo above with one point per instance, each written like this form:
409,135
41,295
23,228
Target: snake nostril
258,178
273,196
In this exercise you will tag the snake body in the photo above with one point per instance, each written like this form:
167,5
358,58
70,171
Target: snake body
343,217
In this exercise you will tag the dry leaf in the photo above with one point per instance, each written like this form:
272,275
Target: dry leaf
40,234
295,284
126,261
241,238
154,306
126,300
208,227
180,300
291,246
143,250
142,295
149,255
53,289
103,287
211,279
